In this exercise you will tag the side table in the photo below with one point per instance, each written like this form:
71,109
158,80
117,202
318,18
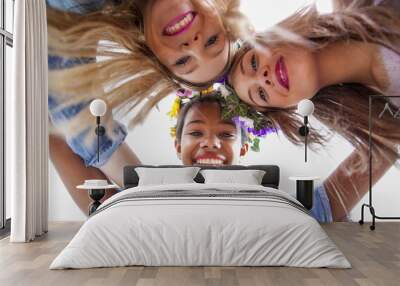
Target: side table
96,193
304,189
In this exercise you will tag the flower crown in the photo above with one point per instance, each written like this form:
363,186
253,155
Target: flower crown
252,122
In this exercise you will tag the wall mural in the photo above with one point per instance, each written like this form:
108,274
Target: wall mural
229,87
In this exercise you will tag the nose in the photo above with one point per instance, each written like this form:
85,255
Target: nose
264,76
192,41
210,142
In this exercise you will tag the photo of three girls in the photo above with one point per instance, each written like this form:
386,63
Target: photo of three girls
132,54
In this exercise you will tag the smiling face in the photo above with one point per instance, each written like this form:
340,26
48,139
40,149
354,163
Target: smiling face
188,38
276,78
208,140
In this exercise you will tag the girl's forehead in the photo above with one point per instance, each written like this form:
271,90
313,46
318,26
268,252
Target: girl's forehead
205,109
207,112
206,105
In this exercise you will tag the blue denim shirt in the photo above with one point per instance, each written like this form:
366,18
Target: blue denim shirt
77,6
321,209
81,138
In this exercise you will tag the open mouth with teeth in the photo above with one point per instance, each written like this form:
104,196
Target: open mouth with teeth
179,24
210,160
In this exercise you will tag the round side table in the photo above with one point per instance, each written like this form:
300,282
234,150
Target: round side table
304,189
96,193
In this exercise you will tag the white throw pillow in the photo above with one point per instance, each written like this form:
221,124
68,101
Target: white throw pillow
248,177
166,176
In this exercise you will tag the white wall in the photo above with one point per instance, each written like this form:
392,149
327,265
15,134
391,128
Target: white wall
61,205
265,13
157,147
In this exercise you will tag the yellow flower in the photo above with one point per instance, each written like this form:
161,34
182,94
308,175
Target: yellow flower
172,132
176,106
208,90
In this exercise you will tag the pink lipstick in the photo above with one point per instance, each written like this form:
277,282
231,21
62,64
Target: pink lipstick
281,73
179,24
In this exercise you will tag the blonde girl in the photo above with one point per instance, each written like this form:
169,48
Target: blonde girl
148,48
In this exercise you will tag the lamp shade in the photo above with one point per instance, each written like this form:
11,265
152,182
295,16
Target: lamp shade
305,107
98,107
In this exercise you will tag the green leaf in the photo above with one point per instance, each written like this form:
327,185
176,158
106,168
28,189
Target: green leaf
256,145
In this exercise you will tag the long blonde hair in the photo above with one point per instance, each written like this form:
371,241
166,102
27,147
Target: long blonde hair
342,108
129,75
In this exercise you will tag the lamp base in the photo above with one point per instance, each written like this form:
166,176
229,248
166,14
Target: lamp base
304,192
100,130
96,195
304,130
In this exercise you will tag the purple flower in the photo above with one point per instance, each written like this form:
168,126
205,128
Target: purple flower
223,79
244,124
182,92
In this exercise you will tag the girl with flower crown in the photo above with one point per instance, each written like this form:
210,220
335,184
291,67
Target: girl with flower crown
336,60
204,137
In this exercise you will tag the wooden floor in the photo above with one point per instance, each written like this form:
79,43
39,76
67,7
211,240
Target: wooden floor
375,257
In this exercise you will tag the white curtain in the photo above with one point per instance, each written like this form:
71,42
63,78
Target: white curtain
27,130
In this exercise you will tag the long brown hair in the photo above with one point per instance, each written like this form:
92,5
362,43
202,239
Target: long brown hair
343,108
129,75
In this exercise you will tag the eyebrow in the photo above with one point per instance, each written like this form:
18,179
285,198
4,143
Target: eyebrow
196,121
251,98
241,66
